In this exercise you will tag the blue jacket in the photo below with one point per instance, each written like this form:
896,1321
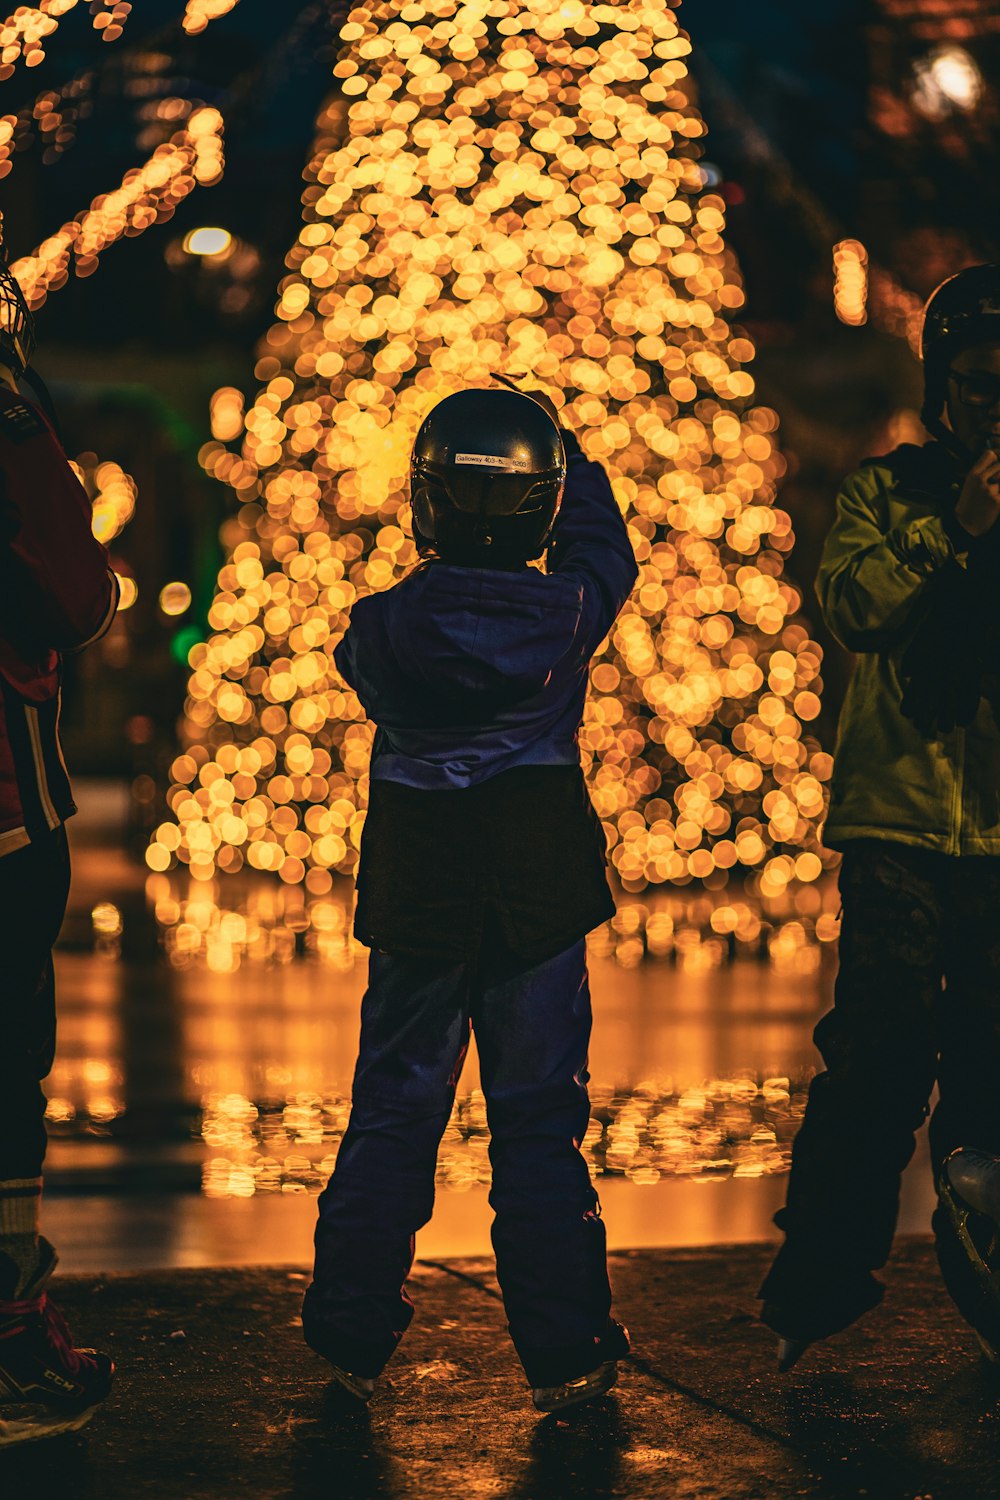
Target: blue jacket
479,828
469,672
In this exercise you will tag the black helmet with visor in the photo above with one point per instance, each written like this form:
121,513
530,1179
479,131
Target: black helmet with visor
487,479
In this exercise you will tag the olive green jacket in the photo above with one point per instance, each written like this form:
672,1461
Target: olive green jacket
889,781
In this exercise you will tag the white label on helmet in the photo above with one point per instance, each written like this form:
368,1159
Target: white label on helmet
489,461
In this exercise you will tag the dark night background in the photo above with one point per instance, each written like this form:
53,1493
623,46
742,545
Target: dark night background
816,132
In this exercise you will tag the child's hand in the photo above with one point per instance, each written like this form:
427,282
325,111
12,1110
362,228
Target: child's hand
979,503
544,400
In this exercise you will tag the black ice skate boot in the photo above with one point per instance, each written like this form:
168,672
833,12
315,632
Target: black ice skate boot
967,1227
46,1385
351,1367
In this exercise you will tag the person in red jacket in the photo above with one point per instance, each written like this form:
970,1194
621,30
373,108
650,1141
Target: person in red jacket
57,595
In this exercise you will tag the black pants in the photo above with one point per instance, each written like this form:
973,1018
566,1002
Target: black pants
34,888
917,1000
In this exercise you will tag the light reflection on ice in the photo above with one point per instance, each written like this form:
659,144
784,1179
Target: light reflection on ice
726,1127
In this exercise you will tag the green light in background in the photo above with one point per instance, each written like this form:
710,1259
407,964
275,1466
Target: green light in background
182,643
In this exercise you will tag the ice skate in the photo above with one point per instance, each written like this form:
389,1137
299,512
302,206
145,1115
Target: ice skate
560,1395
575,1392
969,1192
804,1305
316,1335
47,1386
359,1386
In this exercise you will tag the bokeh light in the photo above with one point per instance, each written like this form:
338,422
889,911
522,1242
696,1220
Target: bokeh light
508,185
113,494
946,80
199,13
850,283
128,590
226,414
24,34
175,598
210,240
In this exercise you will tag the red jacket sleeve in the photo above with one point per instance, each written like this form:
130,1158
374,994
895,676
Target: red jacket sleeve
61,594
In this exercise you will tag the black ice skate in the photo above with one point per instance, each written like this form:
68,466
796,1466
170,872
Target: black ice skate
969,1192
575,1392
560,1395
806,1302
46,1385
361,1387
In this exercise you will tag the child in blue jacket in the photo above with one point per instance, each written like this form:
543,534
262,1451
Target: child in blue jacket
482,870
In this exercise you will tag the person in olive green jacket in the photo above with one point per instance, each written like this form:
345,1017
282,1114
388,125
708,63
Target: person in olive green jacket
910,582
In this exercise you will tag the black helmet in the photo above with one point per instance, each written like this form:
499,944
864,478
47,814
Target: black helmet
964,310
486,479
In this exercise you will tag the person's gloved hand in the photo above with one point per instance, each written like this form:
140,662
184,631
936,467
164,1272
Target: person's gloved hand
513,383
545,401
942,668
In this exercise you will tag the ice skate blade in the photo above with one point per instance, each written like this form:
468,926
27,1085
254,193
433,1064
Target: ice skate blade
576,1392
34,1425
790,1351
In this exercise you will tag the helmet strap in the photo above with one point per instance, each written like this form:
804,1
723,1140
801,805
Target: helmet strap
31,378
932,415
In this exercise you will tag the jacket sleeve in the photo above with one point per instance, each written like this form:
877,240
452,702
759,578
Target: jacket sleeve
364,642
60,592
344,658
590,544
870,579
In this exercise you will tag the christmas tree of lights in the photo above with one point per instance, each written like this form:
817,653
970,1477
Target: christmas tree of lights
508,186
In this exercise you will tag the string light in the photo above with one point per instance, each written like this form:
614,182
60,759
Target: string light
226,414
113,494
850,287
508,185
52,119
148,195
24,34
199,13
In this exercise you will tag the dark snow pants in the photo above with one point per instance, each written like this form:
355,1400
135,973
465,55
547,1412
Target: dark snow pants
532,1032
917,1000
34,888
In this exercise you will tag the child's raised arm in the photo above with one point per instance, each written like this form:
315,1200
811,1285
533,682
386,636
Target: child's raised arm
591,542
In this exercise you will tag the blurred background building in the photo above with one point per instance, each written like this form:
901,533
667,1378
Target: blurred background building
870,123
